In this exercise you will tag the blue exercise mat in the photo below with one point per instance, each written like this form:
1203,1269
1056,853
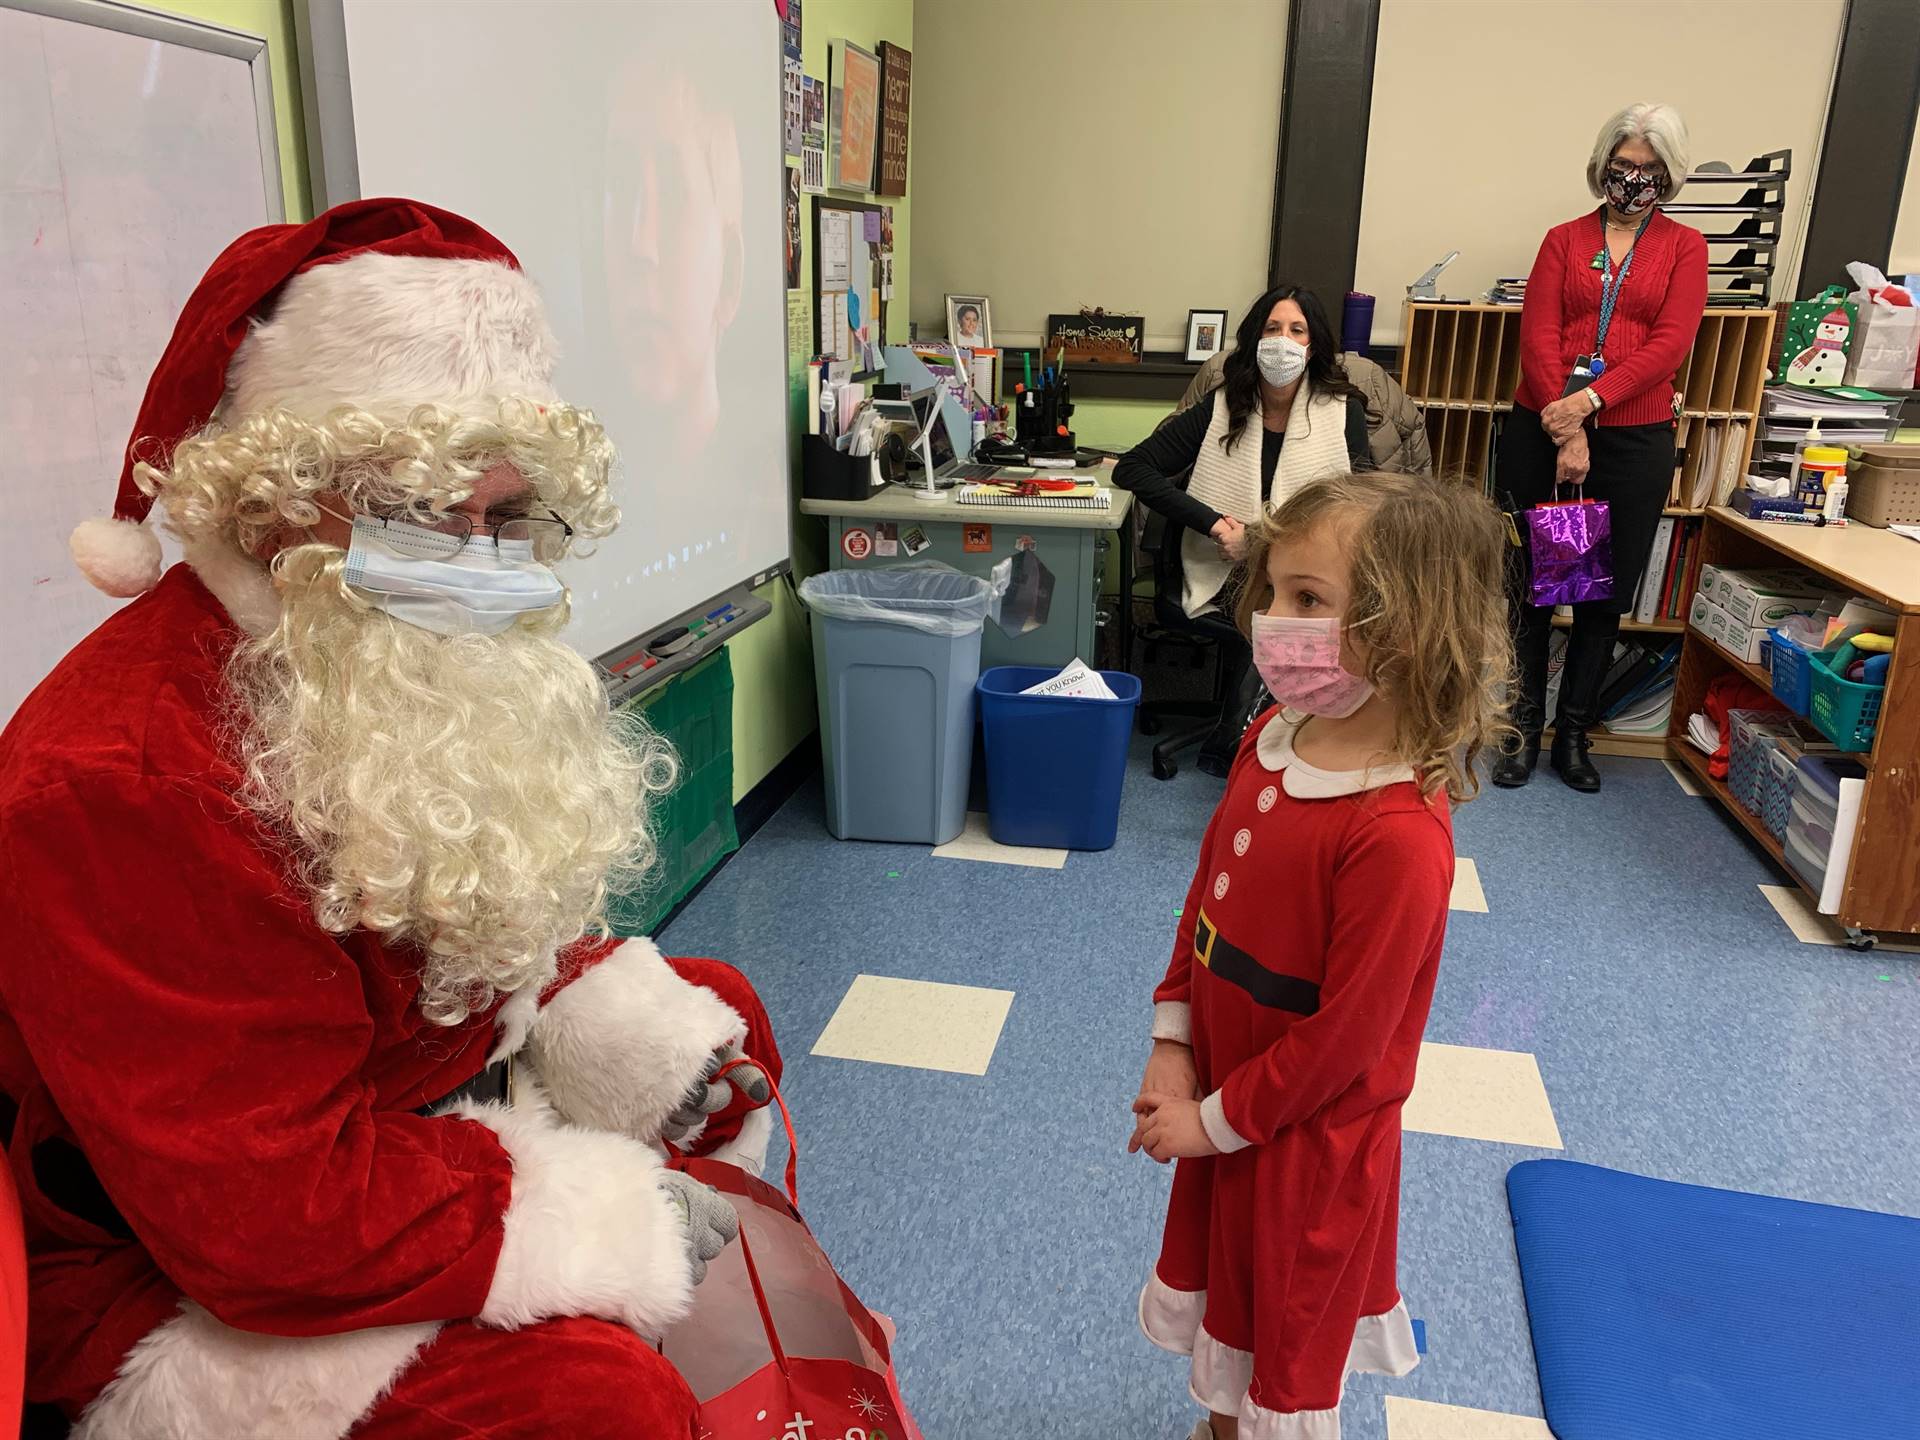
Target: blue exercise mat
1674,1312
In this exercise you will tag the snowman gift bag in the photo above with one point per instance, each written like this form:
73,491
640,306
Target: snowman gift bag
1816,339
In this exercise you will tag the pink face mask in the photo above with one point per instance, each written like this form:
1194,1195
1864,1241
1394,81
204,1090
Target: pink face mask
1299,659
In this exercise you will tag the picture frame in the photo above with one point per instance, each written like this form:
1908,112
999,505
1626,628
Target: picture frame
970,322
853,107
1206,334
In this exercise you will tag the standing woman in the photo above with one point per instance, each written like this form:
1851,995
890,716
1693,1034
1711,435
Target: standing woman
1285,414
1613,304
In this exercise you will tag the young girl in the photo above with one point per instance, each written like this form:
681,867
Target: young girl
1287,1028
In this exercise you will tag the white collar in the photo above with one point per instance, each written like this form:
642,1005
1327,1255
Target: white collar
1274,750
239,582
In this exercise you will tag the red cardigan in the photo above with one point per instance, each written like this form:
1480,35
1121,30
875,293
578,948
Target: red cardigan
1654,320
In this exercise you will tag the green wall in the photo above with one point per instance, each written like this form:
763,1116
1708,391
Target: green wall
773,703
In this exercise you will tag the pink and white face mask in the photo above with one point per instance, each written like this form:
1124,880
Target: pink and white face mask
1299,659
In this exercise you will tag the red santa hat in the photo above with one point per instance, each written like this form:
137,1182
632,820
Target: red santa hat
384,305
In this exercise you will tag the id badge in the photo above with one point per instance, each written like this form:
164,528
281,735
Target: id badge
1583,375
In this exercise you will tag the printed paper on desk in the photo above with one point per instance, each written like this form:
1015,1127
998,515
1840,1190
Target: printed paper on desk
1077,681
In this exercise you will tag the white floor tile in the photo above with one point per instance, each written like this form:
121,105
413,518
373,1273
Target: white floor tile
1427,1420
976,844
916,1023
1467,891
1481,1095
1683,777
1810,927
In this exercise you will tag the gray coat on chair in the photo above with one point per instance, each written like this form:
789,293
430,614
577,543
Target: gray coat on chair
1396,433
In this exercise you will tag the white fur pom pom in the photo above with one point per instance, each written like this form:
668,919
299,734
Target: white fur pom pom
117,556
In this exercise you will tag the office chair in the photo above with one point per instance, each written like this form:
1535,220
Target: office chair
1213,631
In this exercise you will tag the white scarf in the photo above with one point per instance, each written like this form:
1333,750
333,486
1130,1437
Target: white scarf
1229,481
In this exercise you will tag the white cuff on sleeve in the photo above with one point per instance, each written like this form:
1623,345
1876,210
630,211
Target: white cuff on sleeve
1173,1020
1213,1116
589,1230
619,1047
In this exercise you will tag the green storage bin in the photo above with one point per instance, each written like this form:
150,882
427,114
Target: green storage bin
693,823
1846,712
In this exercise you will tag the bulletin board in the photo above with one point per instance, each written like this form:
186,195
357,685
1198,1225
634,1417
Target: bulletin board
850,281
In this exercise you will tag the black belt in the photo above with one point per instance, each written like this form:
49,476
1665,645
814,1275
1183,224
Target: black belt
494,1083
1267,987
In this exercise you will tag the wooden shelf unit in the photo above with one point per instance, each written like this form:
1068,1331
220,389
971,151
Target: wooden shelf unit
1882,892
1461,365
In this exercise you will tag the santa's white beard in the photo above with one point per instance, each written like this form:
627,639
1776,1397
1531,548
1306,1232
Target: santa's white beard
472,795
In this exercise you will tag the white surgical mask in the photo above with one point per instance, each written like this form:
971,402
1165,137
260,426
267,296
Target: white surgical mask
481,589
1282,359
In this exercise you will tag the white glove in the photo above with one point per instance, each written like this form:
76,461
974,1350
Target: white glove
712,1223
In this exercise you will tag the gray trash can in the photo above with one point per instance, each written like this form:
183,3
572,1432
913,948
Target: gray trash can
896,653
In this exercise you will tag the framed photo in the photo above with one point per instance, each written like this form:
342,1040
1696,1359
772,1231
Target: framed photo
1206,333
969,322
855,111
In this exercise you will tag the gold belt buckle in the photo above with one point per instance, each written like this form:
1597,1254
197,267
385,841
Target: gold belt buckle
1203,947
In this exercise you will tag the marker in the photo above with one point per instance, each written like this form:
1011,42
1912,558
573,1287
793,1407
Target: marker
726,609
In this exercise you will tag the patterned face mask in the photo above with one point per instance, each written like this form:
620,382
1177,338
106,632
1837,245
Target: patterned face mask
1631,192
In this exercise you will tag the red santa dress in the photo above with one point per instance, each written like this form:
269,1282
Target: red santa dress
1301,976
238,1221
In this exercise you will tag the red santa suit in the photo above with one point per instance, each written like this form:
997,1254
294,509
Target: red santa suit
1301,976
239,1219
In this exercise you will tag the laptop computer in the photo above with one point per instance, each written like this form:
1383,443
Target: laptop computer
931,443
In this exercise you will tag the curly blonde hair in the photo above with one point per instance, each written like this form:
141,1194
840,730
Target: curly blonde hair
241,481
1426,601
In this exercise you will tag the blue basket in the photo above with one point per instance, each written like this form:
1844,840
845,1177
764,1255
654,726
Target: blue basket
1792,674
1055,766
1846,711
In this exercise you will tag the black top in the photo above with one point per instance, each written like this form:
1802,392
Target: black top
1150,469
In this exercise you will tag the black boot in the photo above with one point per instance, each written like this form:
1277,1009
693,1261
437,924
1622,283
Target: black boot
1589,657
1513,767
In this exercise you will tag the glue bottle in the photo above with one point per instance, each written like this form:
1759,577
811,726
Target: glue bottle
1812,437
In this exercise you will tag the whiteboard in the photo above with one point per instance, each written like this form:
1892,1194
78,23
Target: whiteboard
631,156
133,149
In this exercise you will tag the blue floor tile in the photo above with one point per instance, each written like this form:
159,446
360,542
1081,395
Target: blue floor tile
1681,1032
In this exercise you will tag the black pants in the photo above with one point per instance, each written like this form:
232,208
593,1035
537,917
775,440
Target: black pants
1632,470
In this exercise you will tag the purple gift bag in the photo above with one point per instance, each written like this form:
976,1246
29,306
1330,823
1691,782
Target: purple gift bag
1571,543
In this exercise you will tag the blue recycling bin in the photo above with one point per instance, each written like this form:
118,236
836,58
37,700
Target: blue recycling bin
1056,765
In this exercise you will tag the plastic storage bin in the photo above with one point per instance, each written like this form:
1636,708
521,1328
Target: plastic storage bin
895,656
1845,712
1055,764
1792,675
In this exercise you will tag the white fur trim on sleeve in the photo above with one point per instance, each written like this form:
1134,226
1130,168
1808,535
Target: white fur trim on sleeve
589,1231
1213,1116
192,1377
619,1047
1173,1020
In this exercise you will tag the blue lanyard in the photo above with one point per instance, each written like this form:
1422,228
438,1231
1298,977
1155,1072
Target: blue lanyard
1611,280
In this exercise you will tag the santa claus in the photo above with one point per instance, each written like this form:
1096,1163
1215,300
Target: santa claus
329,1110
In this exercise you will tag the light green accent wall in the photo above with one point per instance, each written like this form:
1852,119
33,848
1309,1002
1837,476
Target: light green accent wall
773,703
1116,424
273,20
773,700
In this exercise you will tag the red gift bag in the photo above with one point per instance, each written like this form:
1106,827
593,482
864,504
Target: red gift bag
777,1347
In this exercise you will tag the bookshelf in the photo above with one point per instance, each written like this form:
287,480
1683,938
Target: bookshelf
1461,365
1883,882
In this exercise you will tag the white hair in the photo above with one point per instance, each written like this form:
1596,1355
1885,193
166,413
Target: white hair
1657,124
471,795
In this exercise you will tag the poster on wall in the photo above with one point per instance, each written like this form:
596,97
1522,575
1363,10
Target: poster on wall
792,101
790,185
854,111
813,135
896,96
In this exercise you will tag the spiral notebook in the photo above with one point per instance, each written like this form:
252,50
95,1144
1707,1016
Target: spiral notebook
1083,497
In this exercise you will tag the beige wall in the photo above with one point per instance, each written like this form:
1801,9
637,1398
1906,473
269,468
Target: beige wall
1906,229
1149,190
1484,113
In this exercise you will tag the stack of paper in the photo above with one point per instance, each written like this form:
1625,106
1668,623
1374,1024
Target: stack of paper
1702,733
1078,681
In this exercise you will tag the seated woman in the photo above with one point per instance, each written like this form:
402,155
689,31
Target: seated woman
1283,379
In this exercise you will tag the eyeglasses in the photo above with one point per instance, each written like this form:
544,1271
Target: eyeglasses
1620,170
441,534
